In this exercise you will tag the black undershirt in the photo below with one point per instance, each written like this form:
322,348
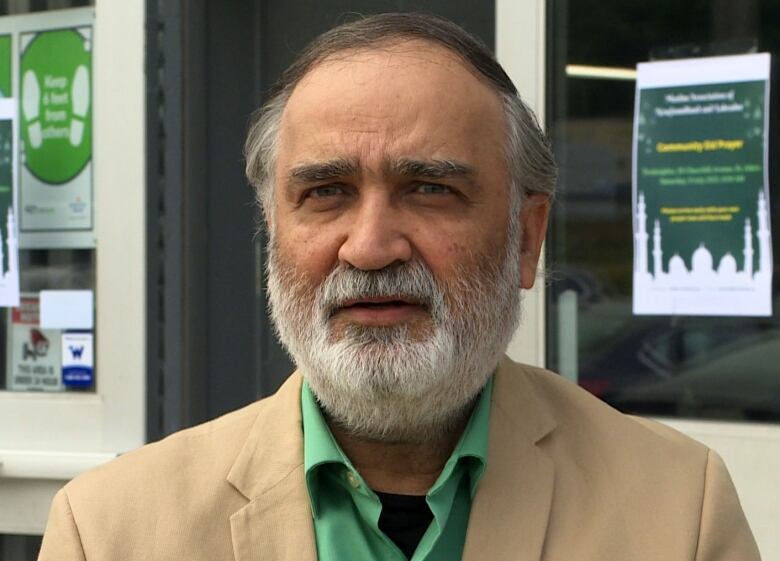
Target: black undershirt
404,519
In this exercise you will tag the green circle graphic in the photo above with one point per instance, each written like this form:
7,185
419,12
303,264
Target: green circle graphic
56,105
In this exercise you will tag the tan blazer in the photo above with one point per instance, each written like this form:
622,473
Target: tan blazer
568,479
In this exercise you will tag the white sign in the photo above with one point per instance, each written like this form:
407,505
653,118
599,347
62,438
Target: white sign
67,309
78,365
33,354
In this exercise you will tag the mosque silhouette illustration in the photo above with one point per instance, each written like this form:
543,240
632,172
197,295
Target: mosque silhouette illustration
12,272
704,289
9,276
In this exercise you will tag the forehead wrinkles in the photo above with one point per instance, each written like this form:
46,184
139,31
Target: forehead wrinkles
374,148
372,83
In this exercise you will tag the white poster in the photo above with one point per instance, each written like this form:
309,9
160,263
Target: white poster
56,130
33,354
702,234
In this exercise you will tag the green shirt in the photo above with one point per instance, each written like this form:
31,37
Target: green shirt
346,511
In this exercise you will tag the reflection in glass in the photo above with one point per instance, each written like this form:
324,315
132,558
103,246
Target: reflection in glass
695,367
31,356
19,548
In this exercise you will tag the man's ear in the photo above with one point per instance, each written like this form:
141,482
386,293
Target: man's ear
533,224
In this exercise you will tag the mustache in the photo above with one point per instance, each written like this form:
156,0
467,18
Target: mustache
412,281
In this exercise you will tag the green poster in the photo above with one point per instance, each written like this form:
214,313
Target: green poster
9,255
6,185
701,215
55,70
5,66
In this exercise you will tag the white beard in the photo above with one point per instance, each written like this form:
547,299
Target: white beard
388,383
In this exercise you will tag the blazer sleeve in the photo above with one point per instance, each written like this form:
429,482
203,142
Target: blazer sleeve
724,534
61,541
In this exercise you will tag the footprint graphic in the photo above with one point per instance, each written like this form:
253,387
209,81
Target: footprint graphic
79,95
31,107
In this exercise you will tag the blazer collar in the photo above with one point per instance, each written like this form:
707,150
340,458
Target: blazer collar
511,509
276,523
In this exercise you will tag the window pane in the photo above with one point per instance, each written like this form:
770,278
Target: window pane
54,192
696,367
19,548
32,356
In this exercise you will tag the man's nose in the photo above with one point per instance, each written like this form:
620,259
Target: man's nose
375,237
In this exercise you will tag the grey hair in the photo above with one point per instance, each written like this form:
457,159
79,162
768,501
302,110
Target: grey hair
529,156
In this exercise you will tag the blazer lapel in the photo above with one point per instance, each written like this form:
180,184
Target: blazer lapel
511,508
276,524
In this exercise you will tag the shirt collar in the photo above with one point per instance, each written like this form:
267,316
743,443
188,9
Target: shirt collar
473,444
320,447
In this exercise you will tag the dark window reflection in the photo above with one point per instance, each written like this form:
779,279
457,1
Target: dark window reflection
19,548
696,367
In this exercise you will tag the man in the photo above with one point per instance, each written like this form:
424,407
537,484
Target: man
405,189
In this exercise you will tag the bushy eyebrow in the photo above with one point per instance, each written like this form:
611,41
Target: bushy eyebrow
405,167
323,171
429,169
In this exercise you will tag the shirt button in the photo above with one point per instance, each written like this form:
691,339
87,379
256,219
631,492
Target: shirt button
353,480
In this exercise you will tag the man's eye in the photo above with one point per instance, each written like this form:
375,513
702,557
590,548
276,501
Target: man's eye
432,189
326,191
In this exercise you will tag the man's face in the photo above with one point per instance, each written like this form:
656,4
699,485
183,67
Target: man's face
390,228
346,187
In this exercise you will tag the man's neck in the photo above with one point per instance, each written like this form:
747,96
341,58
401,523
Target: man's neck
399,468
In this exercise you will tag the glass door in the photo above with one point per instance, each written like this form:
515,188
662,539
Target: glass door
714,377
